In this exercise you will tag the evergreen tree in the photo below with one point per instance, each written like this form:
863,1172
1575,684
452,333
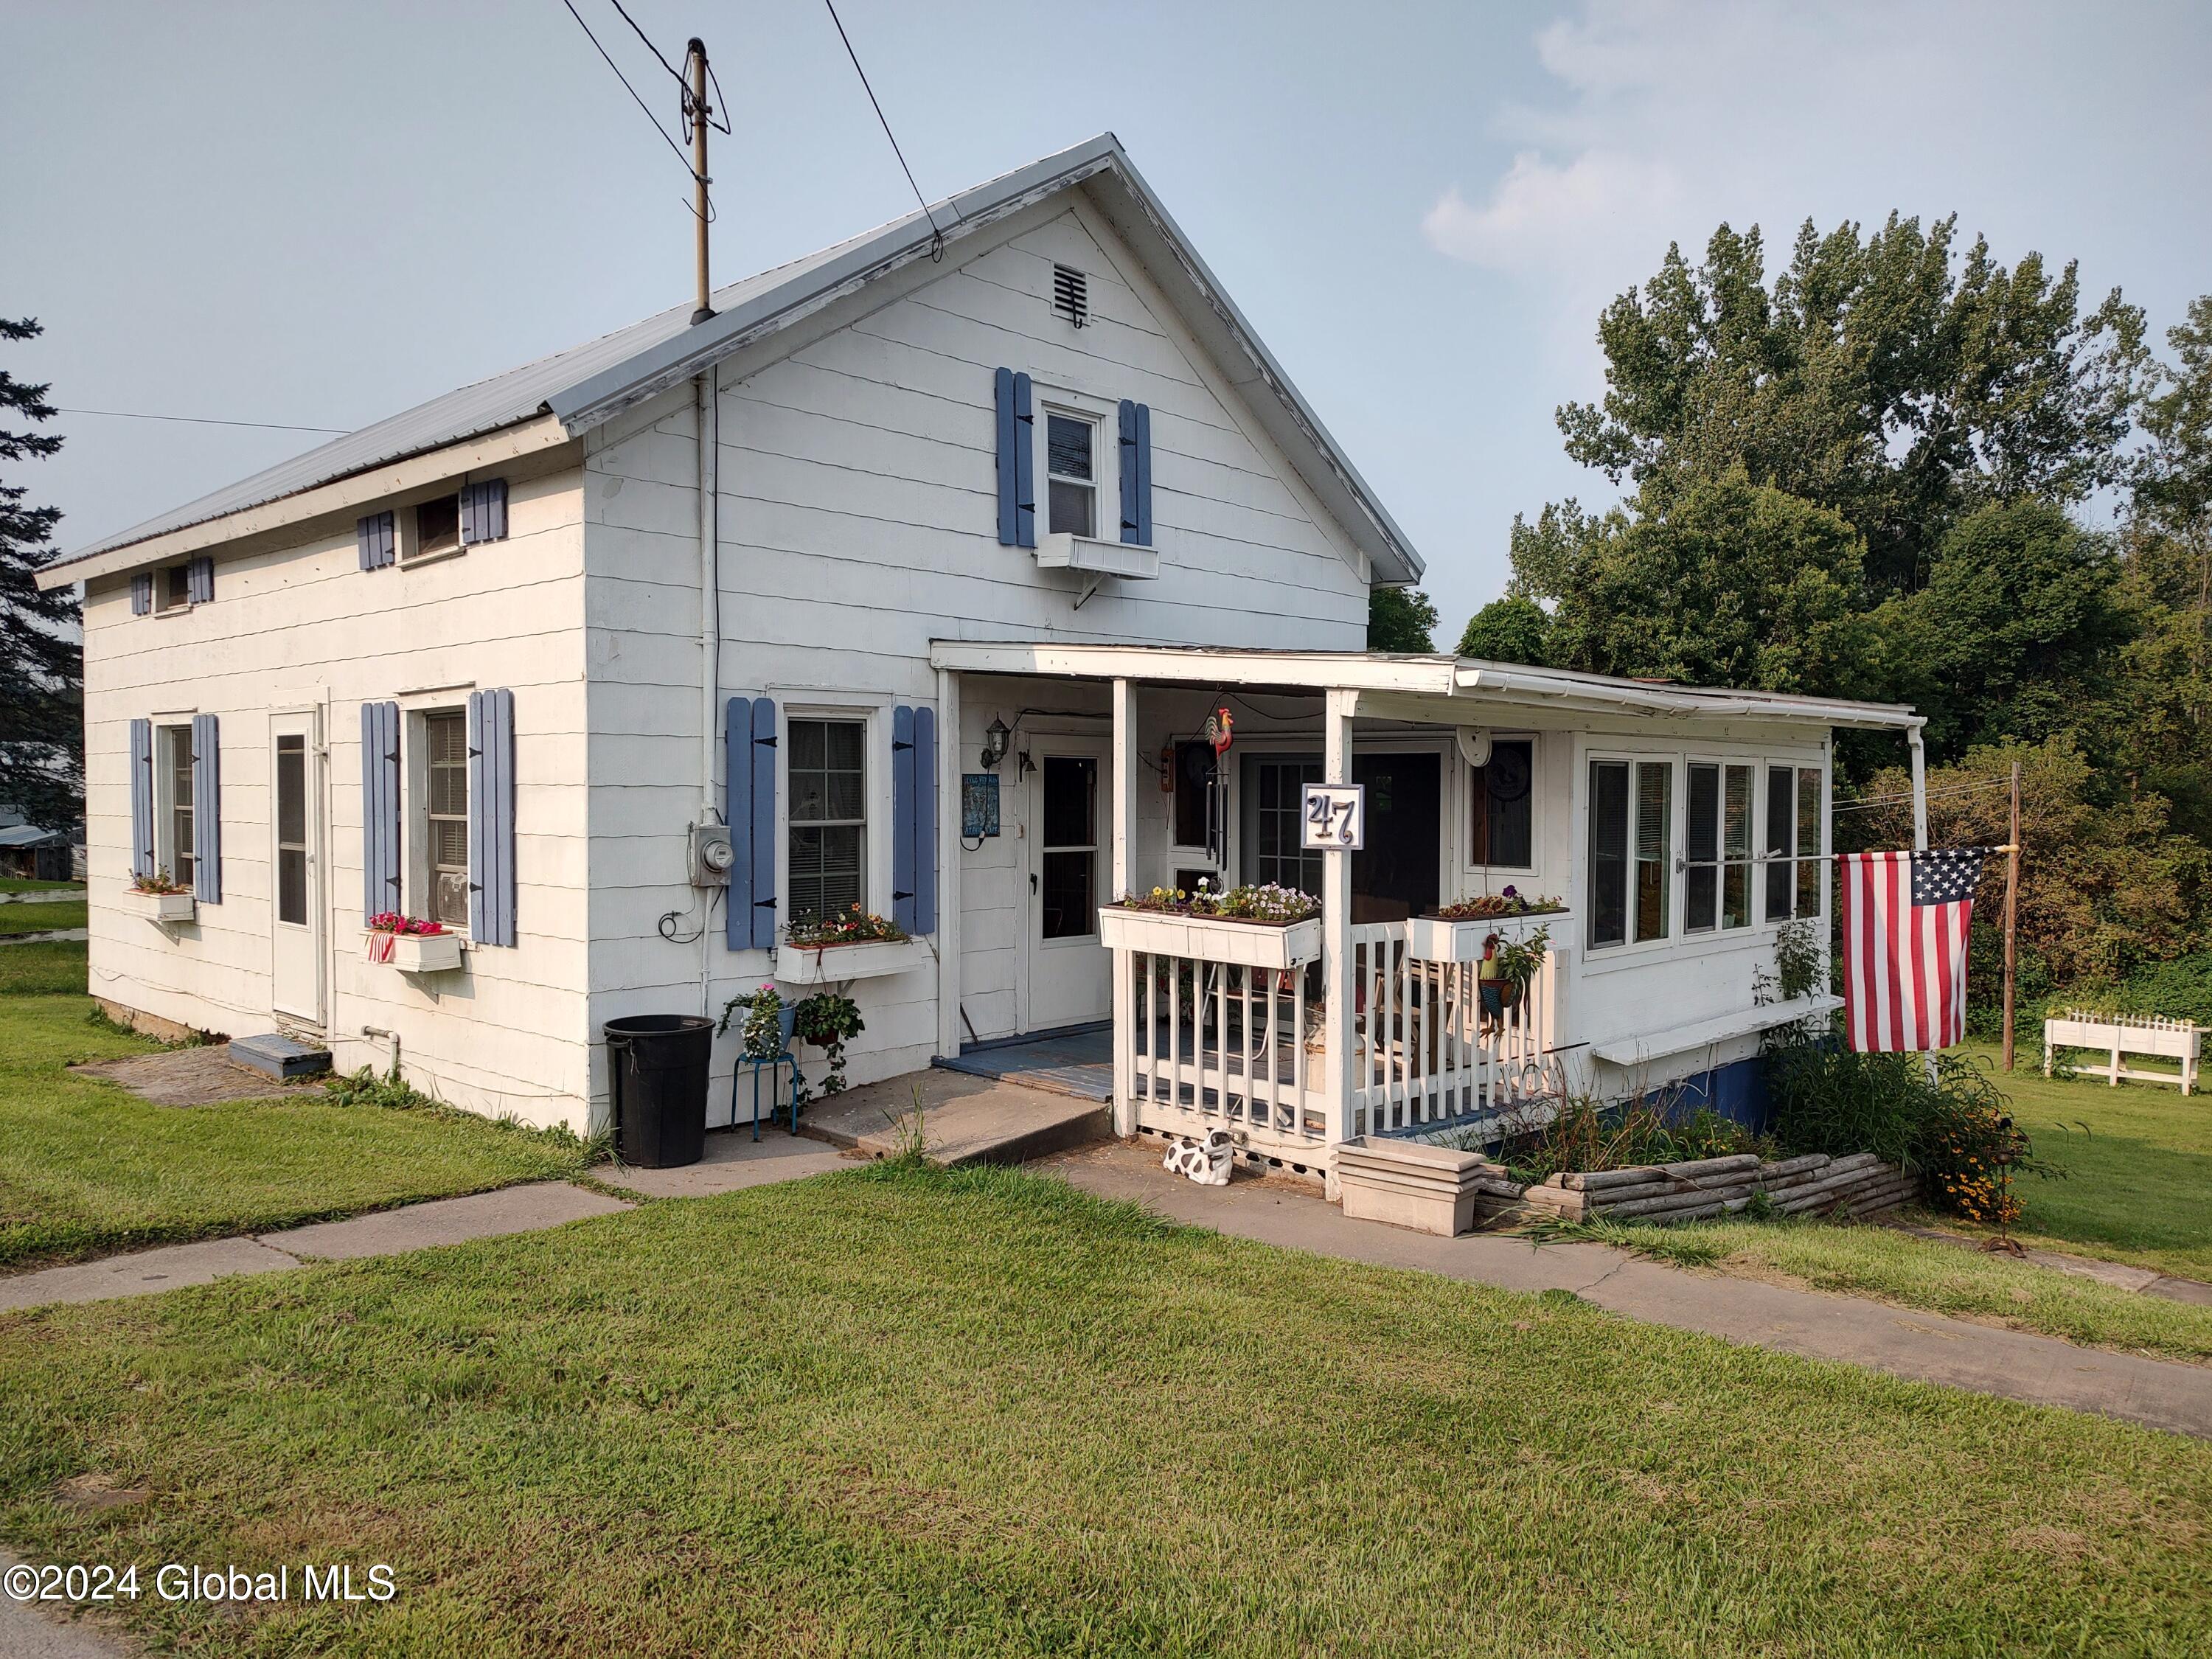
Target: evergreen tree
41,660
1400,619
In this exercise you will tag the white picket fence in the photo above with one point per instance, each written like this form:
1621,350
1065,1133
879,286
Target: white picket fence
1220,1045
2117,1034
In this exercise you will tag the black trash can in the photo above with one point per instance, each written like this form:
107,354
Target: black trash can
659,1063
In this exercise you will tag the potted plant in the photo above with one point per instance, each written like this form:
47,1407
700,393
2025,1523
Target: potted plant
158,897
846,945
1252,927
829,1019
1455,932
1503,981
410,944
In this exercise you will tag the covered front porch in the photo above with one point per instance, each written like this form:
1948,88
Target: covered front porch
1077,775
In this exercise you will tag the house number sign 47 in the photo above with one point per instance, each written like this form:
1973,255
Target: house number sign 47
1335,817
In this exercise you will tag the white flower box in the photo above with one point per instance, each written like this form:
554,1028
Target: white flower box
160,907
413,953
1212,938
1431,939
834,964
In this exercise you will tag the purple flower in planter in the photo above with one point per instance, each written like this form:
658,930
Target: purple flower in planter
1510,891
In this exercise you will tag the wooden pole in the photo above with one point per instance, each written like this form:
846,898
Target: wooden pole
698,113
2012,910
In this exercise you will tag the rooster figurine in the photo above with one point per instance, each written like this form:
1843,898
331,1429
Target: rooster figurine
1217,731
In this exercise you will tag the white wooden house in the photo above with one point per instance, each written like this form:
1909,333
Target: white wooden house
918,567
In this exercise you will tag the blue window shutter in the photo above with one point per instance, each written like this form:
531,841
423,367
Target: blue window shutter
1144,475
375,537
1025,465
199,580
763,835
207,810
491,818
483,512
902,806
737,813
379,808
142,593
925,820
1002,386
142,797
1127,420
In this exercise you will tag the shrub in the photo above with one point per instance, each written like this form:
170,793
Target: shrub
1586,1134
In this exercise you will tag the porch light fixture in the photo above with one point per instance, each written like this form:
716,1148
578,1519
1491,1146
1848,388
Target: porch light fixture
996,737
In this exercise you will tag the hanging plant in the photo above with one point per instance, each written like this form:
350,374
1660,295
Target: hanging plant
760,1028
829,1019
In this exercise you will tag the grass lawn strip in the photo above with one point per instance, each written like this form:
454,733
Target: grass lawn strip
87,1169
24,884
902,1411
42,918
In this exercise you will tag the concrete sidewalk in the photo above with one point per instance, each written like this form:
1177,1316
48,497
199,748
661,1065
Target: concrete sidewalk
1902,1341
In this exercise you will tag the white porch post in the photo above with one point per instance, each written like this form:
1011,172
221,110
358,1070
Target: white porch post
1125,879
1919,752
949,740
1336,1068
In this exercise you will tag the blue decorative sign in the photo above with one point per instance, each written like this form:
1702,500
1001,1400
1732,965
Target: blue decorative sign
979,804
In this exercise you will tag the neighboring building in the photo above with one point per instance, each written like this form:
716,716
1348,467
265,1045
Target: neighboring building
1046,496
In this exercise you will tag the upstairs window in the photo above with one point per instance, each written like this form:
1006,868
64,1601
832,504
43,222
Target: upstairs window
1071,475
827,782
437,528
173,589
1796,872
1503,807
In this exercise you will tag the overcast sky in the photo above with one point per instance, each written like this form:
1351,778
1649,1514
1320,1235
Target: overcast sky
322,213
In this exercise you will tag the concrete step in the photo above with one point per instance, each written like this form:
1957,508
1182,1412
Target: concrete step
964,1119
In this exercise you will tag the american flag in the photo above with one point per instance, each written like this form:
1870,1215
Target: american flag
1905,946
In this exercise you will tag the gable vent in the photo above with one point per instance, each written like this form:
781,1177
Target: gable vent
1071,294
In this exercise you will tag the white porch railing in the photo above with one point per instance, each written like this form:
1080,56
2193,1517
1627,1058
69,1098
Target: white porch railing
1212,1044
1217,1045
1424,1049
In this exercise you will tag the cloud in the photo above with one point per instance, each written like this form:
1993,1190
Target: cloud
1542,216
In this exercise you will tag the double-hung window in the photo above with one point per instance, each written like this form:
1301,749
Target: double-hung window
1796,872
827,779
1071,474
444,821
1503,836
1717,851
1632,851
174,845
437,528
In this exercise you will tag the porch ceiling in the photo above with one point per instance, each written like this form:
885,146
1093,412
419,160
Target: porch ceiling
1453,690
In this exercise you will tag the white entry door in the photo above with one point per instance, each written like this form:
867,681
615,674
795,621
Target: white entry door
1070,973
296,908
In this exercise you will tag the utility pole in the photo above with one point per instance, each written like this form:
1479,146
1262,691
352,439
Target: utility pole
698,113
2012,909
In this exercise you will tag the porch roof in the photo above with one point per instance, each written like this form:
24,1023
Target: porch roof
1468,682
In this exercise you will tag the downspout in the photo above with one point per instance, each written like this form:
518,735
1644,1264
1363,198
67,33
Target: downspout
1919,751
710,650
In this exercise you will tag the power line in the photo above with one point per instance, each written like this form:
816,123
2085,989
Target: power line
677,75
671,144
203,420
937,245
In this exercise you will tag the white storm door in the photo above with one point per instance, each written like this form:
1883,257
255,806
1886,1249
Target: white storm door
1070,972
296,866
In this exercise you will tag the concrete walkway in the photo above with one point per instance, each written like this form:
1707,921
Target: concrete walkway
964,1119
1902,1341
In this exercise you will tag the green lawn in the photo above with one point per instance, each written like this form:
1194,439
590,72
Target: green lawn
2137,1189
898,1410
2138,1160
24,884
42,918
87,1169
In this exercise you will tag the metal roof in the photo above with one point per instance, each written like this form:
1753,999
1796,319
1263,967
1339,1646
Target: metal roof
591,383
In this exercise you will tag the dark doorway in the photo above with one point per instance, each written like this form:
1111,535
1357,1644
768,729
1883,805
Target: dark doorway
1396,875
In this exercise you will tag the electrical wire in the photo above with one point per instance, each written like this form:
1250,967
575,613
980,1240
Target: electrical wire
722,125
676,148
203,420
936,235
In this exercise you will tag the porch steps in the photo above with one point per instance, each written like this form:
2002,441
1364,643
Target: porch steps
964,1119
279,1057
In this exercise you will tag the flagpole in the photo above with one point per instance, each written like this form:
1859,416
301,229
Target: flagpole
2012,907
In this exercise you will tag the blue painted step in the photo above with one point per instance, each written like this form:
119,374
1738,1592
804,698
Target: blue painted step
278,1056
